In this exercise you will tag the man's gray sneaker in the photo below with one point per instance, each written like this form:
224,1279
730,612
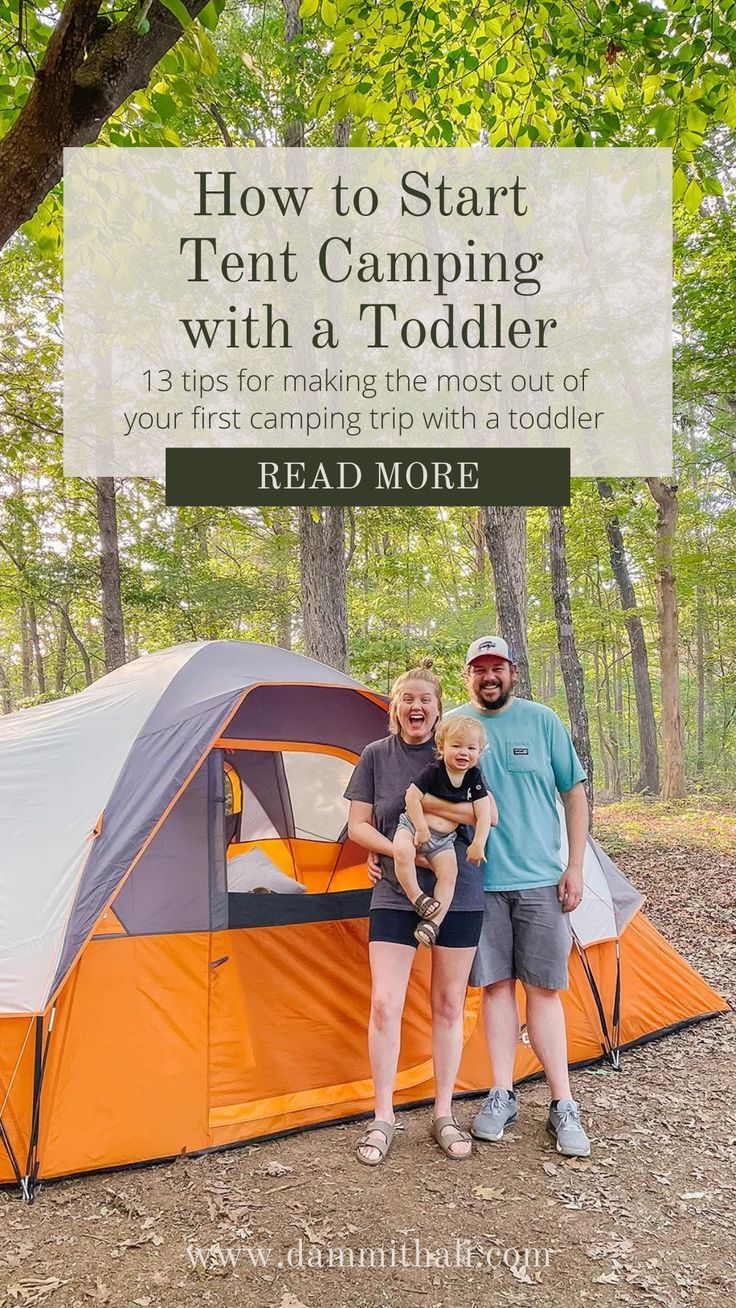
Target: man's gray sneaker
497,1111
564,1124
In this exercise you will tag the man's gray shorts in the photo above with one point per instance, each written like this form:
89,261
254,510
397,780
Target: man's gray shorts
438,840
525,935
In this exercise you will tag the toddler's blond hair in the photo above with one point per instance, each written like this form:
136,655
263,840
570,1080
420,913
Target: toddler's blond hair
458,727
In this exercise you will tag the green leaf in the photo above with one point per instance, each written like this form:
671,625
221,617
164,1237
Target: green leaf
679,185
696,119
711,186
329,13
692,197
308,8
209,15
179,10
664,122
729,116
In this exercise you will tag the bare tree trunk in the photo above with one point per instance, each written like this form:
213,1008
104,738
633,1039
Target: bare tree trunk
86,661
479,552
61,653
700,674
36,646
280,527
112,608
614,748
505,533
321,531
324,585
5,691
200,530
602,742
294,127
26,651
665,497
571,667
648,756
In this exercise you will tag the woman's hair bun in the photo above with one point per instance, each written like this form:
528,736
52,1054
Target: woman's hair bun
427,663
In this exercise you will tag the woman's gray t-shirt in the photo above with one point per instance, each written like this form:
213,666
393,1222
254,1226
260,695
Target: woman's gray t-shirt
382,776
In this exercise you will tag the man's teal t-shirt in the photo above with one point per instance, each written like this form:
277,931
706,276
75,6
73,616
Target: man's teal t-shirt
529,756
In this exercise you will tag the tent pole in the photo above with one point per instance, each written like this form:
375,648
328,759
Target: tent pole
607,1047
28,1182
616,1042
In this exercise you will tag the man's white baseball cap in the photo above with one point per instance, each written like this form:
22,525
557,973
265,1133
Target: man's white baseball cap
494,645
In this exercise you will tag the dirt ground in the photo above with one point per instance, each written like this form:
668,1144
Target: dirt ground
650,1218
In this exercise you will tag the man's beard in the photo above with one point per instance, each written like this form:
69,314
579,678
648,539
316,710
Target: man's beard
499,703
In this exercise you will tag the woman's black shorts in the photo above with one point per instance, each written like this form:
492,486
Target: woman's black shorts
396,926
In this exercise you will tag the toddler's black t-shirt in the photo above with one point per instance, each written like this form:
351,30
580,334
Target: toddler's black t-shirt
435,781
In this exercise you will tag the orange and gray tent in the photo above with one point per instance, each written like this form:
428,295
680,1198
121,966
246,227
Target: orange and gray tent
151,1004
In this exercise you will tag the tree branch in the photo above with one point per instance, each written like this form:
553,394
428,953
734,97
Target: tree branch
79,85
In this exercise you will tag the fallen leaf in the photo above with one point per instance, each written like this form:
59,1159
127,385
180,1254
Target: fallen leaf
521,1274
34,1289
101,1292
273,1168
576,1164
289,1300
489,1192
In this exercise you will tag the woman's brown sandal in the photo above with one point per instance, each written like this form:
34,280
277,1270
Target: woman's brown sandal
382,1146
426,933
440,1126
426,906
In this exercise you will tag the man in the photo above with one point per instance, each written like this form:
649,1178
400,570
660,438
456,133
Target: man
526,932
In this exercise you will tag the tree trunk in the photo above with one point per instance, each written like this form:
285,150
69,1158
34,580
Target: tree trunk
648,756
293,127
613,745
505,533
86,661
665,497
26,651
571,667
61,654
36,647
700,611
5,691
80,83
602,743
280,526
112,609
324,585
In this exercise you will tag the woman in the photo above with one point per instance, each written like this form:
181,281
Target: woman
376,792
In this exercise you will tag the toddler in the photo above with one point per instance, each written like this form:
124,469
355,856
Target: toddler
456,779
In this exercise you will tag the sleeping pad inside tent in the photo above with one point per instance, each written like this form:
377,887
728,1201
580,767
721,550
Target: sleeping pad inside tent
154,1000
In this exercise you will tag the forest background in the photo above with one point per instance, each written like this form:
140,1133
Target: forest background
622,607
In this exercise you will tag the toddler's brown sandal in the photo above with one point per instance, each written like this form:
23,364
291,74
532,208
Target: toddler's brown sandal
426,906
426,933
